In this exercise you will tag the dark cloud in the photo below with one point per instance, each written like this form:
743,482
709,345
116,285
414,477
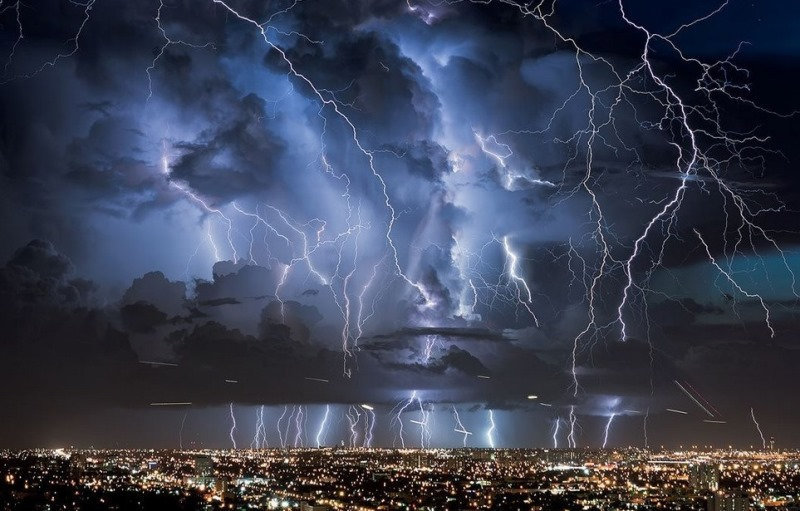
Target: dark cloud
478,334
39,276
41,258
56,349
219,301
461,360
229,161
682,311
141,317
154,288
236,283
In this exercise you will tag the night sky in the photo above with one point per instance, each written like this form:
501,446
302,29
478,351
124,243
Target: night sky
315,205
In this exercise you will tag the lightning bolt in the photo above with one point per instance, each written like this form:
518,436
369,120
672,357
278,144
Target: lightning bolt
758,428
283,439
520,283
555,432
212,243
573,420
289,421
369,425
328,101
430,344
697,137
342,297
423,423
199,201
697,134
733,282
460,427
180,430
298,423
167,43
490,431
233,427
257,220
322,425
608,428
262,28
363,316
264,443
74,41
397,419
424,426
353,418
20,31
256,443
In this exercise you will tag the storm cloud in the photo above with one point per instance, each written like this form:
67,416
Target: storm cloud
305,203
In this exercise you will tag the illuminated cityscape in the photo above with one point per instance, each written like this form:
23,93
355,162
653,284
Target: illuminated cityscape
375,479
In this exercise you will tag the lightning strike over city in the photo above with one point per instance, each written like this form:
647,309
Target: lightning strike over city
490,432
460,427
473,233
320,438
608,429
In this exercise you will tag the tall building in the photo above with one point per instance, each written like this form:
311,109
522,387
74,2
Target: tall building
203,470
704,476
720,502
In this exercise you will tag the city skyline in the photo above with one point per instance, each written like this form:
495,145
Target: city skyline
399,224
373,479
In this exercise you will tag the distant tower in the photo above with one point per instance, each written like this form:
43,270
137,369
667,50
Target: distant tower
772,443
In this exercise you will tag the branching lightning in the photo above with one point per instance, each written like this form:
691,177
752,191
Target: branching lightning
698,137
369,425
260,437
299,427
573,420
512,261
353,416
733,283
422,422
331,103
167,43
702,145
397,419
73,42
